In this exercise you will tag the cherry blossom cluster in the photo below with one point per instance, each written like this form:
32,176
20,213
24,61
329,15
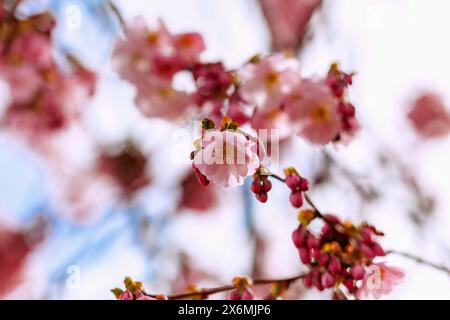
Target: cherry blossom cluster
44,98
341,257
266,93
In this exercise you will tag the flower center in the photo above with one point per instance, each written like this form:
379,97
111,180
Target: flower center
153,38
185,41
271,79
321,113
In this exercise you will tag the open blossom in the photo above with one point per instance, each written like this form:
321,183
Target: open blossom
54,106
266,83
32,48
274,120
23,81
161,100
429,116
133,54
313,110
149,59
381,280
226,157
44,98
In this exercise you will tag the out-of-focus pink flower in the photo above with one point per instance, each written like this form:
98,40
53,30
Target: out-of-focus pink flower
197,197
380,279
212,81
266,83
287,20
277,120
144,53
189,46
24,82
226,157
34,49
429,116
127,168
163,101
133,54
14,250
56,104
313,110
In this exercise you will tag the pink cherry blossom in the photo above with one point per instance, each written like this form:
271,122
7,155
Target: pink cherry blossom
429,116
163,101
189,47
227,157
313,110
23,81
380,281
266,83
288,19
133,55
34,49
275,120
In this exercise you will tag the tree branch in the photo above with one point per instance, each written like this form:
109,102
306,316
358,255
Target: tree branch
420,260
210,291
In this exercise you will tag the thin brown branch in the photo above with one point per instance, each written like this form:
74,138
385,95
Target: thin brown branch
210,291
116,12
420,261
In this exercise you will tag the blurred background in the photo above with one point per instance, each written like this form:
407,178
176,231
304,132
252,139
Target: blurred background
167,235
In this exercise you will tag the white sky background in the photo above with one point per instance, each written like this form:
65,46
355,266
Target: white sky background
397,48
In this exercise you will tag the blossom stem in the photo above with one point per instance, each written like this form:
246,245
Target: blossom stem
211,291
307,198
420,260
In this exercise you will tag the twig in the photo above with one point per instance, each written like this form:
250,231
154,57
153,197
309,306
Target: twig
117,13
210,291
307,198
420,260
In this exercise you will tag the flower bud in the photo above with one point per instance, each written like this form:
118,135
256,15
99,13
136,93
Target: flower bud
327,280
357,272
293,181
298,236
262,197
305,255
296,199
334,266
308,280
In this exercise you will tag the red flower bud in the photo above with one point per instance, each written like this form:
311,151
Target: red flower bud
266,185
298,236
334,265
323,259
367,251
305,255
327,280
303,185
357,272
312,242
293,181
296,199
262,197
378,250
308,280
